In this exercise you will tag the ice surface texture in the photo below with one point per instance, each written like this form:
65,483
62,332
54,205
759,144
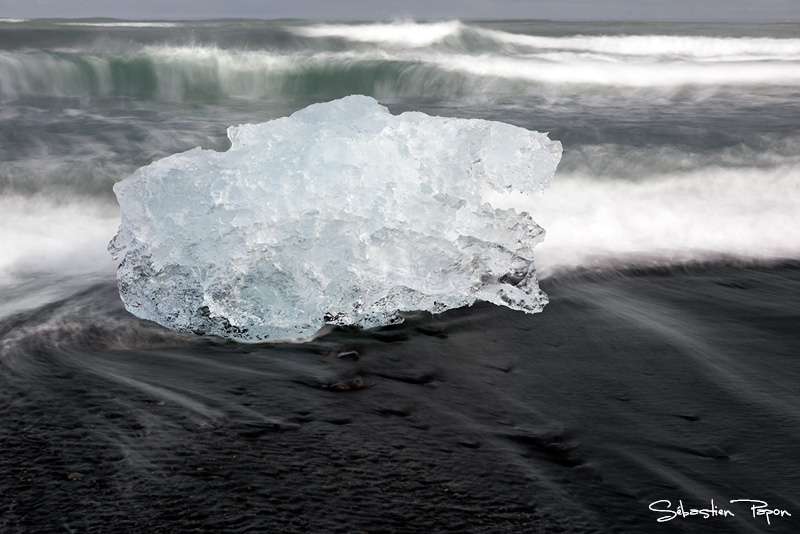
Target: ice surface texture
341,213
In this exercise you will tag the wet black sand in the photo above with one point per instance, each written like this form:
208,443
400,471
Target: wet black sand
628,389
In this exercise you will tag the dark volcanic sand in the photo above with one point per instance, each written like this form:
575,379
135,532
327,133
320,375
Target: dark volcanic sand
626,390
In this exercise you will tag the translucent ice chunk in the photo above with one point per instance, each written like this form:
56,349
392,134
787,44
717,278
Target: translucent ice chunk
341,213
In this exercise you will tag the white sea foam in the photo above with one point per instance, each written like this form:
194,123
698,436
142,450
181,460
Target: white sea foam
657,46
399,33
12,21
585,71
703,214
47,234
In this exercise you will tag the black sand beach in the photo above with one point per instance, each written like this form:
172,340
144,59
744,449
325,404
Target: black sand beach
629,389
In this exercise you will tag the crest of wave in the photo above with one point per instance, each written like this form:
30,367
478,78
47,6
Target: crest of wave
406,33
341,214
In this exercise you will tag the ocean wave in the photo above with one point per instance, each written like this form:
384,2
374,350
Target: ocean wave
669,46
179,73
399,33
207,73
698,215
411,34
447,60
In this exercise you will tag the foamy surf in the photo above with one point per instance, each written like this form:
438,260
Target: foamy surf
399,33
700,216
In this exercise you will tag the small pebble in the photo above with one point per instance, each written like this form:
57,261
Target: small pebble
349,355
75,476
350,385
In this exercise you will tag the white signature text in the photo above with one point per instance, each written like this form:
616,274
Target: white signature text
756,507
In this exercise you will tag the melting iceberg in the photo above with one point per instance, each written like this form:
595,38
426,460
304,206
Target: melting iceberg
341,213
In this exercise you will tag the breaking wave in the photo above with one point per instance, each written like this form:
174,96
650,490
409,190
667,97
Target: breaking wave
441,60
460,35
